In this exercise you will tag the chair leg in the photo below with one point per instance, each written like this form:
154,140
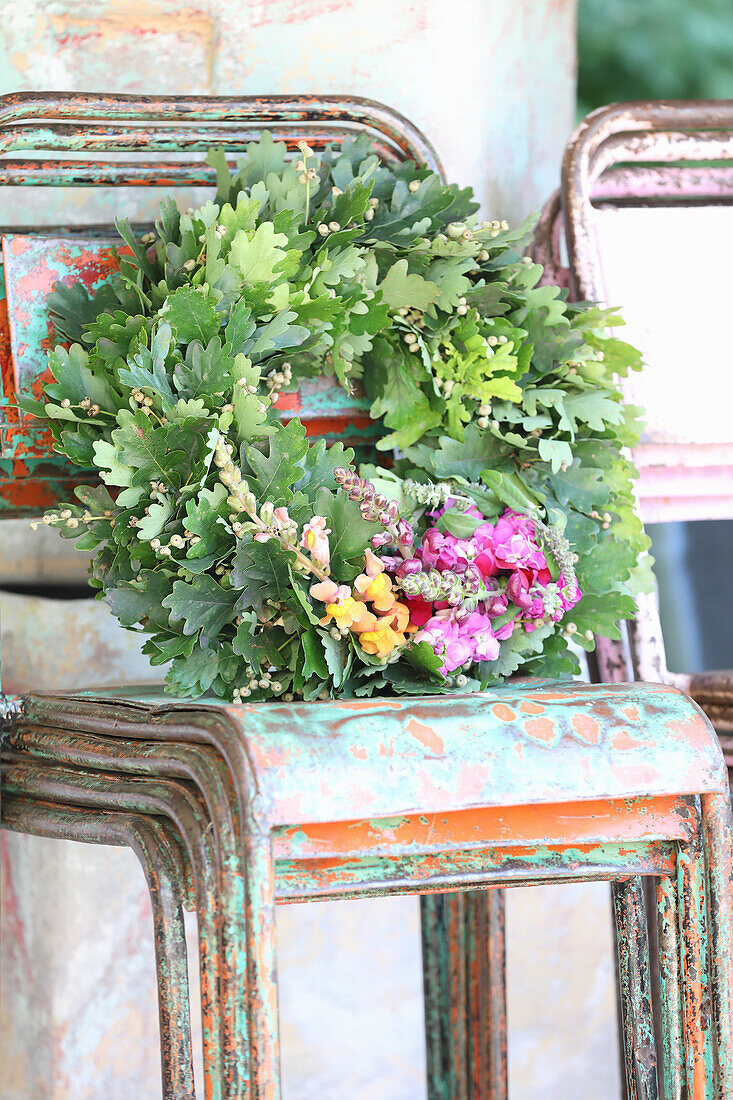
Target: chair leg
670,991
68,788
207,770
698,1039
261,956
465,995
635,985
171,960
718,841
146,839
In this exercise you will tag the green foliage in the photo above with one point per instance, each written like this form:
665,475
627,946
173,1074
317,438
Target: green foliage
661,49
483,378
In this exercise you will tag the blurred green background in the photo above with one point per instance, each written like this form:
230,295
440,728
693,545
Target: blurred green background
654,49
671,49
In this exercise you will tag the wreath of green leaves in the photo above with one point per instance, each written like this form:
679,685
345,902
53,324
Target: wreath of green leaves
484,381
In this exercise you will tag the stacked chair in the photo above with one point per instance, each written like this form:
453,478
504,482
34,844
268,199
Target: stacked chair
234,809
644,156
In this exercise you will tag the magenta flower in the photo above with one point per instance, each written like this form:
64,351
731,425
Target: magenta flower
432,544
569,593
485,645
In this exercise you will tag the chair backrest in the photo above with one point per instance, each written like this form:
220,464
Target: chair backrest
645,209
90,140
647,198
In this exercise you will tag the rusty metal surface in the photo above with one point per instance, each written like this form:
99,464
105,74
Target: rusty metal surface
713,691
417,866
635,989
463,941
115,793
329,117
146,837
32,477
458,752
678,480
641,155
515,865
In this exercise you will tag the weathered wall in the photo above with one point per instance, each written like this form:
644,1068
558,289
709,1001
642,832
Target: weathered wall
492,83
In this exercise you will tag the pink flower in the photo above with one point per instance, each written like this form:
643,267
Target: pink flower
315,540
330,592
485,645
471,639
281,517
517,590
486,561
516,550
569,594
497,605
432,544
448,641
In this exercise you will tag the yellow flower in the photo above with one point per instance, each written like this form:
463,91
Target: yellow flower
346,614
378,590
381,642
398,618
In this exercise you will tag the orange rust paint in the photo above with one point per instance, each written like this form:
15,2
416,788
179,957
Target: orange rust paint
575,823
505,713
527,706
425,735
622,740
541,729
587,728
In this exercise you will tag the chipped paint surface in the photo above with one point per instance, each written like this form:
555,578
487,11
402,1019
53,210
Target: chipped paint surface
658,843
515,69
31,476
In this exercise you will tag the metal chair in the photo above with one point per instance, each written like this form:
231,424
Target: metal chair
498,795
636,157
32,476
673,155
484,796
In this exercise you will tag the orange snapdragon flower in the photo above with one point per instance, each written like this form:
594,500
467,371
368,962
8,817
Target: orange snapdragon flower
341,606
349,614
381,642
374,584
388,632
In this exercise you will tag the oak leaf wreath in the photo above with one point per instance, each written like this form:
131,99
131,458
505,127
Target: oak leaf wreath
494,523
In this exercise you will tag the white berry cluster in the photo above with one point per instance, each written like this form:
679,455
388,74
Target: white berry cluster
276,379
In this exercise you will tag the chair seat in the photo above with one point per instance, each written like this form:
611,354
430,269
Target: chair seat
530,742
713,691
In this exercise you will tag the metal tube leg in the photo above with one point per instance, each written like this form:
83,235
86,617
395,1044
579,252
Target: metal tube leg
670,993
699,1061
487,1026
260,946
146,837
635,986
465,995
718,840
444,976
171,962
